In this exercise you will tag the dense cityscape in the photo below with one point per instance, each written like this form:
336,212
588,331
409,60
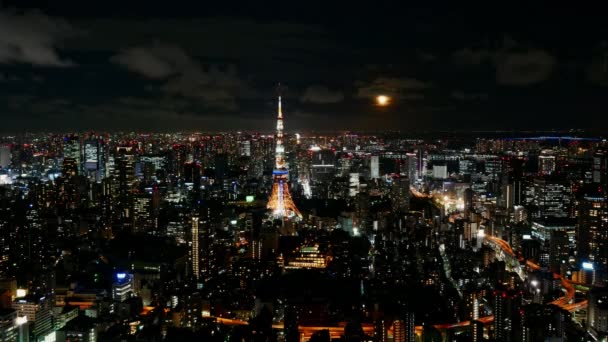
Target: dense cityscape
278,171
302,237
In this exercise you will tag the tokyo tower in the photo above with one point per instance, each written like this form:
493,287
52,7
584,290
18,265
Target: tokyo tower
280,202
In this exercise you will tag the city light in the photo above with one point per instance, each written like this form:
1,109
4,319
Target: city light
383,100
21,320
392,191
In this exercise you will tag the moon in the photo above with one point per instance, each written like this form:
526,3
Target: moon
383,100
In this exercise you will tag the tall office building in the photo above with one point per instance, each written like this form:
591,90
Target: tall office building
559,251
5,156
194,247
600,168
71,148
412,167
546,164
374,167
507,318
122,288
400,194
592,232
95,157
552,197
597,312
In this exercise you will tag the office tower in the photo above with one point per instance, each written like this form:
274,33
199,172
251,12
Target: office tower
37,312
245,148
597,312
412,167
559,251
353,184
546,163
440,171
124,175
506,198
142,212
192,175
69,168
400,194
506,315
95,157
544,322
600,168
280,202
552,197
5,156
592,232
122,288
374,167
71,148
194,247
9,329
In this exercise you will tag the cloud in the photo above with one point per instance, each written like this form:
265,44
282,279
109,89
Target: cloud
183,76
156,62
404,88
514,65
597,71
322,95
32,38
468,56
524,67
463,96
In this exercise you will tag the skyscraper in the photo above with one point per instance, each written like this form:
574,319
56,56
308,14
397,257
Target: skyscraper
280,202
374,167
592,232
194,249
5,156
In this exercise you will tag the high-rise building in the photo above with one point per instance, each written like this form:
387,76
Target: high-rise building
552,197
400,193
194,248
122,288
597,312
5,156
559,251
506,315
95,157
412,167
245,148
280,202
71,148
546,164
374,167
440,171
592,232
600,168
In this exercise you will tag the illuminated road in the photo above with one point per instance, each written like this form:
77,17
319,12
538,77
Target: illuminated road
337,331
305,331
562,302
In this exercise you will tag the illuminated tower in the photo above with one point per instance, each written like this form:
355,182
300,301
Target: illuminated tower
280,202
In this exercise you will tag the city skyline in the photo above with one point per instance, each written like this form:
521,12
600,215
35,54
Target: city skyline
302,172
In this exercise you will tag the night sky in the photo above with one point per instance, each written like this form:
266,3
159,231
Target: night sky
204,66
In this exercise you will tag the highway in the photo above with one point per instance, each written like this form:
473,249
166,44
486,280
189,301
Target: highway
563,302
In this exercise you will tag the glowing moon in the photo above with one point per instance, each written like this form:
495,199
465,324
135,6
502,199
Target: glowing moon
382,100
